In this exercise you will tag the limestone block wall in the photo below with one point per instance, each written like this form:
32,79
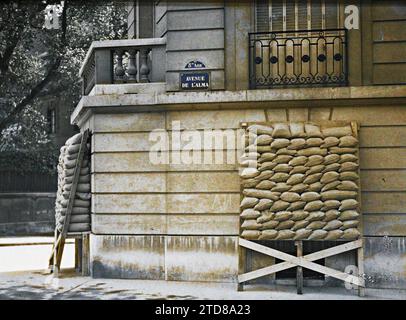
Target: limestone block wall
194,31
181,222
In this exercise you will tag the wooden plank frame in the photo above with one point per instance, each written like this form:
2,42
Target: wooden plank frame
81,239
306,261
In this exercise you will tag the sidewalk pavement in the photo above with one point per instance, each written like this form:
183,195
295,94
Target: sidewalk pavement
20,255
38,285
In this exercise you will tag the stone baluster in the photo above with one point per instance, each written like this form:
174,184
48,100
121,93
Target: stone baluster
144,70
119,70
132,67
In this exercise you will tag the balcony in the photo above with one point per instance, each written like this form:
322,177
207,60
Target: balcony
130,61
298,58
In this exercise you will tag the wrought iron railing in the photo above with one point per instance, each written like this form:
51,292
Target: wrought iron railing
298,58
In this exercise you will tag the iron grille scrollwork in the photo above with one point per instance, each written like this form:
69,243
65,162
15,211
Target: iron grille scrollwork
298,58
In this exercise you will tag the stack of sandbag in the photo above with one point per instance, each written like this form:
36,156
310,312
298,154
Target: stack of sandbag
80,216
300,181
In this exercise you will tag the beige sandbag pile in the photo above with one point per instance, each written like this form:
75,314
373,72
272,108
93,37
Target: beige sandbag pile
80,216
301,182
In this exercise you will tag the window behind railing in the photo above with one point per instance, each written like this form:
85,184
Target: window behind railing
290,15
298,43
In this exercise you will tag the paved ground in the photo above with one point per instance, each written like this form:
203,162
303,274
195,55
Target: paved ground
37,285
18,257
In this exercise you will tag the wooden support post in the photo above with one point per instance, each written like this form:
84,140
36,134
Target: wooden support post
360,265
241,265
85,254
299,270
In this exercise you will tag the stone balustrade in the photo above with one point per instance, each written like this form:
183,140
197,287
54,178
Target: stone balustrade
123,61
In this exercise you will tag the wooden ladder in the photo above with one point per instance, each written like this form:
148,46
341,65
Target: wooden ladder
81,239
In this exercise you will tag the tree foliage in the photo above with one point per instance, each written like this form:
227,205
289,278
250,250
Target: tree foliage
37,62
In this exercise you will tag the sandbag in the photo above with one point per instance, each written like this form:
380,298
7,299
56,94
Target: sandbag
272,224
282,159
337,132
302,234
349,224
316,225
316,186
332,167
331,215
298,161
247,173
261,194
348,157
350,234
334,235
282,167
295,179
265,217
310,196
348,204
348,215
348,175
332,225
250,214
280,143
313,205
248,202
314,142
338,150
312,151
296,205
331,158
299,188
281,187
285,234
313,131
264,175
348,166
282,215
296,144
315,169
298,169
267,156
286,151
330,142
315,216
338,195
280,177
297,130
312,178
300,224
79,227
250,224
268,234
250,234
266,185
279,205
260,129
263,139
287,224
299,215
348,141
281,130
318,235
267,166
331,204
263,204
348,186
290,197
314,160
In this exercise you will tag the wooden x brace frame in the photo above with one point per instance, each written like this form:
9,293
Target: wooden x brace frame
306,262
